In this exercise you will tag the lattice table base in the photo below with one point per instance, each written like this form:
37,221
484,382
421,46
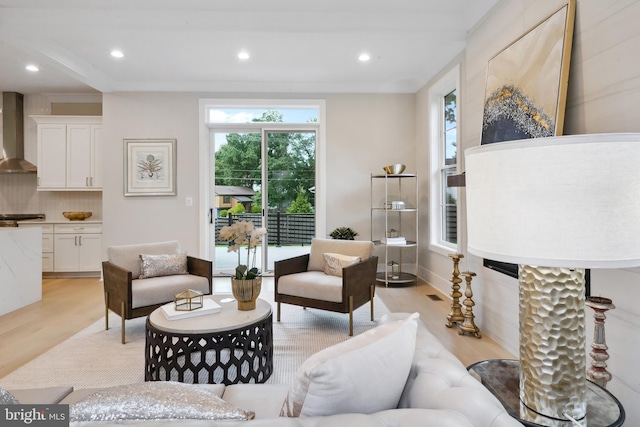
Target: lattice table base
243,355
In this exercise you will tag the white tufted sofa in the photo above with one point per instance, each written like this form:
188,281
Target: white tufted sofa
439,393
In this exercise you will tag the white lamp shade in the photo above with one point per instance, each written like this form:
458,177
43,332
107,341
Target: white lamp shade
568,201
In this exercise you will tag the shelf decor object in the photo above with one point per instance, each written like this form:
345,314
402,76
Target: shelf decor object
597,372
150,167
394,224
555,206
468,324
455,315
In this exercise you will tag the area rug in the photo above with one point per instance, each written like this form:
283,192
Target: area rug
94,357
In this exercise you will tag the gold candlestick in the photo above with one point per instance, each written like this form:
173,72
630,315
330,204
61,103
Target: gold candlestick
455,315
469,326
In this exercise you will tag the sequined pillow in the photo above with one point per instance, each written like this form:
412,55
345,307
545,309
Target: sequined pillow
334,263
156,401
162,265
7,398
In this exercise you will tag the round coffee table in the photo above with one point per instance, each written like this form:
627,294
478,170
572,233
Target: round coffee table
227,347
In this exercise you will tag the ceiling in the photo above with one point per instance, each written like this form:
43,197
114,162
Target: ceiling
296,46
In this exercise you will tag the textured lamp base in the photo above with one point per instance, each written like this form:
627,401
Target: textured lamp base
552,341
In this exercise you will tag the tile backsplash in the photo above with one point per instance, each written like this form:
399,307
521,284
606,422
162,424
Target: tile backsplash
18,194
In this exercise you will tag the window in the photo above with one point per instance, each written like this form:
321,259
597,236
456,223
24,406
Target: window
443,111
449,196
302,114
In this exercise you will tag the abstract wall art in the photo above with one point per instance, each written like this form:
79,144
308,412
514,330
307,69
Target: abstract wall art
526,87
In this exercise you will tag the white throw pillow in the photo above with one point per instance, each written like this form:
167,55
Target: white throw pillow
334,263
365,374
162,265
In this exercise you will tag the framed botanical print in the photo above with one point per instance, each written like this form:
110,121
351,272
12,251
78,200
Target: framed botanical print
150,167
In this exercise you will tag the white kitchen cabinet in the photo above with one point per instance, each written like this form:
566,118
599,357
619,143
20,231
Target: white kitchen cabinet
96,156
52,162
77,247
69,153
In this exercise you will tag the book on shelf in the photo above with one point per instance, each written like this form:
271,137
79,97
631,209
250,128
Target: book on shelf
209,306
391,241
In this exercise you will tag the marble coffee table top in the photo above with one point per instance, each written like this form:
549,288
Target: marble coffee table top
227,319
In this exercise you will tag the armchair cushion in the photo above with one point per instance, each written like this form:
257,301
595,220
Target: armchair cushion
365,374
162,265
159,290
319,247
334,263
313,285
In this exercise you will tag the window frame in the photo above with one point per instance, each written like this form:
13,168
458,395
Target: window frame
449,82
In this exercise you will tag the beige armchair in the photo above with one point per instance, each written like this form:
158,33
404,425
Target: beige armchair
304,281
130,296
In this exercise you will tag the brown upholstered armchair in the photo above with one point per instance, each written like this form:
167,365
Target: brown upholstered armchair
130,296
303,280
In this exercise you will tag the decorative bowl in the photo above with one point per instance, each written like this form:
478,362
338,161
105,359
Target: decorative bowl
77,216
394,169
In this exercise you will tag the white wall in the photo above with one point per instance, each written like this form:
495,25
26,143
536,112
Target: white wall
150,218
603,94
364,133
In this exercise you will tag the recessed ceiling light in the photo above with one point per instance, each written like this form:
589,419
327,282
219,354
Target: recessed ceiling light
117,53
364,57
32,68
243,55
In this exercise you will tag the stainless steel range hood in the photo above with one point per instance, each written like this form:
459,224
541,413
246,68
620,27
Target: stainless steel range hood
13,135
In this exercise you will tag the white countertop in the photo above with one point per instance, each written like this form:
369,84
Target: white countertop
60,221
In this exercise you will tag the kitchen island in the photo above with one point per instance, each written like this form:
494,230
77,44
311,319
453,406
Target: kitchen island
20,267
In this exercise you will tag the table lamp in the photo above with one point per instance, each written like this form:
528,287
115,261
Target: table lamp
555,206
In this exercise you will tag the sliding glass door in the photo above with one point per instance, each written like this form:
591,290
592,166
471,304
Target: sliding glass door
289,197
264,173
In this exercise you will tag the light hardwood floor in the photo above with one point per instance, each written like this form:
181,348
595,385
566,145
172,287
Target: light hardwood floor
70,305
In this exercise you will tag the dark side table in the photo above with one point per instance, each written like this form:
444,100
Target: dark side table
502,378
